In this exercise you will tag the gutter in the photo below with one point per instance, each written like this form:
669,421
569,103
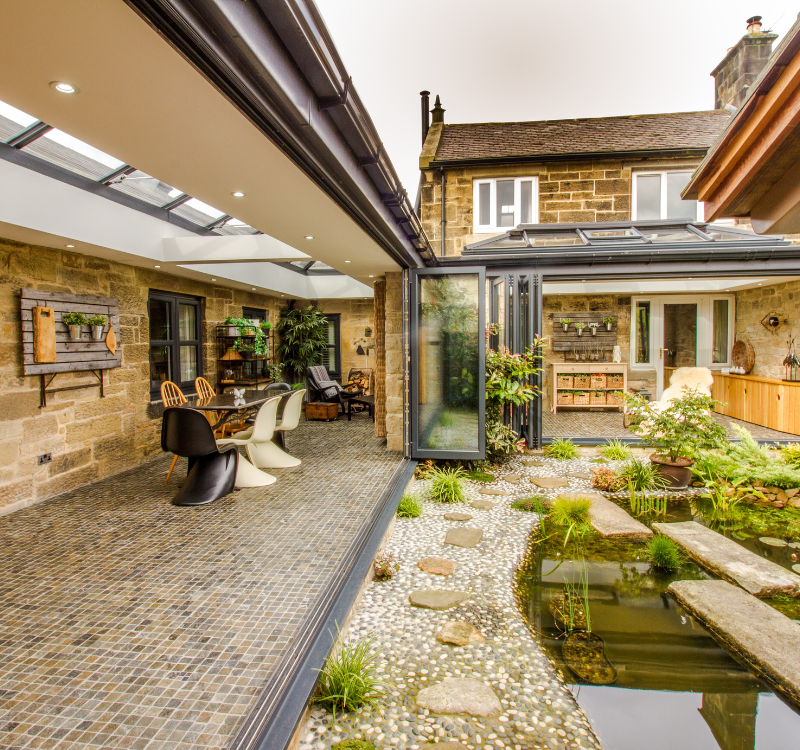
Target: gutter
275,61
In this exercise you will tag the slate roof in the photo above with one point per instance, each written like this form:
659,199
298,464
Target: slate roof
498,140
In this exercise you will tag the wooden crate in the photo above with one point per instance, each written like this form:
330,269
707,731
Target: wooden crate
565,381
598,398
615,380
582,381
565,398
321,410
598,381
581,399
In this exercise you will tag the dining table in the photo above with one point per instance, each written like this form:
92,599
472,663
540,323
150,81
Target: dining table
227,405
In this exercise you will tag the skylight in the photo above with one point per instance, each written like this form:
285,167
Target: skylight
12,121
146,188
198,212
68,152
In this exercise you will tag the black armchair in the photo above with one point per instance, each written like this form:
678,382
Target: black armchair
320,385
212,469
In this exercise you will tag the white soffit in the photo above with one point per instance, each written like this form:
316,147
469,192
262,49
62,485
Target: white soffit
662,286
141,102
229,249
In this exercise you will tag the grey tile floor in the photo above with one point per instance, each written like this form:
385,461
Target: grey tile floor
577,424
128,622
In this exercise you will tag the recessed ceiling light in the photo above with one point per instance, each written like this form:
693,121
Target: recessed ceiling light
64,88
70,245
213,279
759,283
252,288
283,295
347,261
158,266
372,275
309,236
237,194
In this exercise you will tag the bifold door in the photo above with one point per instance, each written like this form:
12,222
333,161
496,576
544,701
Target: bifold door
448,363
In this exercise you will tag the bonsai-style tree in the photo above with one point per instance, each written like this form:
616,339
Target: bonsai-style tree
304,335
682,428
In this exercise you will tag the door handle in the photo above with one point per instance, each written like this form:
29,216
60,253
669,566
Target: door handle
661,352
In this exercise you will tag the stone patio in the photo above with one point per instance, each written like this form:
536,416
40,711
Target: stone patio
597,424
128,622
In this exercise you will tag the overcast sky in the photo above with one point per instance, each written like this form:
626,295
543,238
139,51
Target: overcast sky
512,60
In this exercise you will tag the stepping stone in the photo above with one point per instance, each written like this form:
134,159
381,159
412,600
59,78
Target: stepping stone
437,598
457,517
439,566
611,521
463,537
459,634
533,462
512,478
549,483
763,638
731,561
494,492
482,504
460,695
578,475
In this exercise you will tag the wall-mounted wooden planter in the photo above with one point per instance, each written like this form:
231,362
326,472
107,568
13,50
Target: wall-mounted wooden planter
564,341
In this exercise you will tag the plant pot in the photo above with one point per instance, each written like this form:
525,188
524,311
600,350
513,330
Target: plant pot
594,331
246,356
608,326
97,333
75,331
565,326
580,331
678,474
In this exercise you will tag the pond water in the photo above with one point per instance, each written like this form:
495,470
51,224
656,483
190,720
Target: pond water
649,675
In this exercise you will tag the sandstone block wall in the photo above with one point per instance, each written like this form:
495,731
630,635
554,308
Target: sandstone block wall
357,315
89,437
395,382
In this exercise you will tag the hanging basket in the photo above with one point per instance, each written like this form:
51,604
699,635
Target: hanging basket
742,355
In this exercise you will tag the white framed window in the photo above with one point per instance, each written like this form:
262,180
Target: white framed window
504,202
657,195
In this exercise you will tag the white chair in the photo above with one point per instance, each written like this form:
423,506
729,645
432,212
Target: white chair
263,428
268,455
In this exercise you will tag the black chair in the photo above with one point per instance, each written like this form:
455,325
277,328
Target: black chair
276,389
212,469
320,385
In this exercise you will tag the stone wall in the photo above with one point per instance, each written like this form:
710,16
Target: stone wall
568,192
89,437
395,382
770,346
356,316
557,306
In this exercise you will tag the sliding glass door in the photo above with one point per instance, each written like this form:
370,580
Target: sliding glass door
448,361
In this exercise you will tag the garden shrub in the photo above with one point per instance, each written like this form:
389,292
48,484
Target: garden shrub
664,554
533,504
615,450
642,475
790,454
561,448
447,486
480,476
385,566
607,480
567,511
409,506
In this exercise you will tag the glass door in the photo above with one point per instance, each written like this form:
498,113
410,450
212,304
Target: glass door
448,363
679,339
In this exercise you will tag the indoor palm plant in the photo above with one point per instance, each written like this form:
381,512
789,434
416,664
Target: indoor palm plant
677,432
304,335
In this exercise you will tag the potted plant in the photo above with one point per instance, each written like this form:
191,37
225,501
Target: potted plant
98,323
594,327
75,321
265,326
677,431
245,348
240,326
579,327
609,321
565,324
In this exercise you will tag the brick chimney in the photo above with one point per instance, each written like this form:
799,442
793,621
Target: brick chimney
741,66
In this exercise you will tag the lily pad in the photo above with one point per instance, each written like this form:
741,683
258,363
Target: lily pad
585,655
771,541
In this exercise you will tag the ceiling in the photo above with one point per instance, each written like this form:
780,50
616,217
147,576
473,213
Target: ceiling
664,286
141,102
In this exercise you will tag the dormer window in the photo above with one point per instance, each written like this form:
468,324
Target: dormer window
503,203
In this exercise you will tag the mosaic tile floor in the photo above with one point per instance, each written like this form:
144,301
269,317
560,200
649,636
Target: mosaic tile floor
578,424
128,622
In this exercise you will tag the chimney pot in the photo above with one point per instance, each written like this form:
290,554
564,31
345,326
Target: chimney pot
754,25
437,111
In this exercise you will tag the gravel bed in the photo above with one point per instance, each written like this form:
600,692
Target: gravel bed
538,709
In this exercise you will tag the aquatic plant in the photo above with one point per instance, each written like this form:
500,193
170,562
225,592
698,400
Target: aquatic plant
725,496
353,745
642,475
561,448
615,450
572,607
385,566
642,504
447,485
409,506
571,513
664,554
348,680
533,504
606,480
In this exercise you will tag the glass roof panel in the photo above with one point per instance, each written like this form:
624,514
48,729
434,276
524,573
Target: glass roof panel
721,235
553,239
198,212
299,263
146,188
670,234
235,226
318,265
65,151
13,121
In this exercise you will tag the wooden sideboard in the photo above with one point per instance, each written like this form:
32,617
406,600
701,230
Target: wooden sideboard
768,402
602,368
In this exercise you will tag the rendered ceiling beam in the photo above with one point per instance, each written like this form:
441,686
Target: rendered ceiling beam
229,249
286,281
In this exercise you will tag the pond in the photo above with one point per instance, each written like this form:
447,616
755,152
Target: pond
648,675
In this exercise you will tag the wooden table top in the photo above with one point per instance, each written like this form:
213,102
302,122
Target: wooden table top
228,402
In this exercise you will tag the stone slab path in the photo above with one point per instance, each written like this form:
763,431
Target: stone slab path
731,561
482,504
611,521
463,537
766,640
437,598
549,483
457,517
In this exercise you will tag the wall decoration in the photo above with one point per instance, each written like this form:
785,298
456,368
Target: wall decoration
773,321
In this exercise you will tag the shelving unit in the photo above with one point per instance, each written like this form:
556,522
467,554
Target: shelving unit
246,372
587,368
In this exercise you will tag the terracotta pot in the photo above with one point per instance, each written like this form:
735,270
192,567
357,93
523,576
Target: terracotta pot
678,474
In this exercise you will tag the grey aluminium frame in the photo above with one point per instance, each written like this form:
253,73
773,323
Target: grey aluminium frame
415,275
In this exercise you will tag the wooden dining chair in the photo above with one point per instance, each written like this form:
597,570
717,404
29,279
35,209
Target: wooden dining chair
171,396
204,390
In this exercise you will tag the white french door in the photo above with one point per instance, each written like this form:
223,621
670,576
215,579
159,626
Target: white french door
671,331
